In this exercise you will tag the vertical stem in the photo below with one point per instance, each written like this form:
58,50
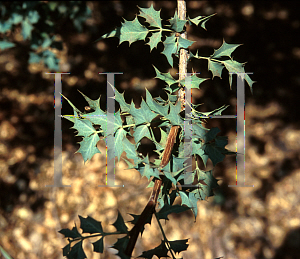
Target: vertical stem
150,207
183,54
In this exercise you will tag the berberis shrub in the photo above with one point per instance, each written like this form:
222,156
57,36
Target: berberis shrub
170,175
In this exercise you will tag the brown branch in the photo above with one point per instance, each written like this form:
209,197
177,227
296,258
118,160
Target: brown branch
150,207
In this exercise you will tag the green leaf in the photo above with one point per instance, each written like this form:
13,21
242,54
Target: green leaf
98,246
5,26
201,19
168,209
154,40
84,127
154,106
159,251
140,132
151,15
225,50
121,245
6,45
16,18
120,135
183,43
174,116
88,147
195,81
90,225
77,252
179,245
70,233
215,67
120,99
142,115
177,24
166,77
170,47
130,31
173,44
26,29
119,224
33,16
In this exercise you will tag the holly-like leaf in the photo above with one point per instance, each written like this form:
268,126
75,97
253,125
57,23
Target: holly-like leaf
225,50
154,106
201,19
195,81
70,233
151,15
168,209
88,147
215,67
76,252
170,47
119,224
125,107
140,132
177,24
121,245
84,127
179,245
174,116
154,40
159,251
166,77
130,31
143,114
98,246
173,44
90,225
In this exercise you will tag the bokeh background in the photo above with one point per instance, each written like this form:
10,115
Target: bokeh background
258,222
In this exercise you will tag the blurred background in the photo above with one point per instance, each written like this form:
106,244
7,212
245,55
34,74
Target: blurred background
39,37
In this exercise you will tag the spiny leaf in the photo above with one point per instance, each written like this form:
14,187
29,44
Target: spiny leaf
151,15
201,19
70,233
142,115
90,225
177,24
168,209
98,246
130,31
159,251
77,252
170,47
225,50
88,147
179,245
154,106
84,127
120,99
195,81
166,77
119,224
174,116
215,67
121,245
154,40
